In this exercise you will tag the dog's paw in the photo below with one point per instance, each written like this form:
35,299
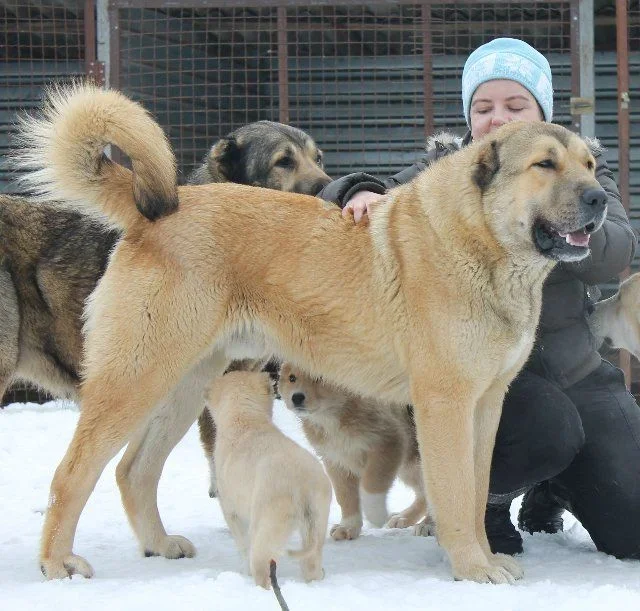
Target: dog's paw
487,572
173,547
68,566
508,563
425,528
345,532
397,520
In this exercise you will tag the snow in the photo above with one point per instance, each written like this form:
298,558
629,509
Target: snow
386,569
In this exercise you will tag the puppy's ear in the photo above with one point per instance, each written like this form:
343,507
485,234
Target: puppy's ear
224,159
487,164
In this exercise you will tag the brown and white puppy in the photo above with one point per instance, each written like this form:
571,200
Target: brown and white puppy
363,445
617,319
269,486
434,303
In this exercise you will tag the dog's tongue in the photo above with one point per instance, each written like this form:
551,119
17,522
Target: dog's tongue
576,238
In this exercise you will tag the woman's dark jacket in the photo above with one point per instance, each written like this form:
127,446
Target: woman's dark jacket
565,350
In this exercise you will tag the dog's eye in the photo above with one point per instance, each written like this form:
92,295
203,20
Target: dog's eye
548,164
285,162
319,159
292,378
590,165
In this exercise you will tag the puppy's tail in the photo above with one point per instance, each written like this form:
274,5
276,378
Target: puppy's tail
64,148
309,532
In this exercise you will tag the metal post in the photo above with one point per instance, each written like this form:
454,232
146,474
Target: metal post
102,37
283,68
427,70
622,47
587,88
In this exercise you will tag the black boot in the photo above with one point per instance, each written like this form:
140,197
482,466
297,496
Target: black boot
541,510
502,534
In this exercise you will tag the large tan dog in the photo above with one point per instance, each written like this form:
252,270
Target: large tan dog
269,486
364,445
617,319
435,303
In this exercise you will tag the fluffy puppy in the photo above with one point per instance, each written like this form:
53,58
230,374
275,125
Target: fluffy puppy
268,485
364,446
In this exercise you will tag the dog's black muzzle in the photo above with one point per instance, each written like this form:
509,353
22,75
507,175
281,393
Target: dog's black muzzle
297,398
570,242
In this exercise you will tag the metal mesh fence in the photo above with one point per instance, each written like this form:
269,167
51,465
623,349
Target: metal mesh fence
40,41
367,81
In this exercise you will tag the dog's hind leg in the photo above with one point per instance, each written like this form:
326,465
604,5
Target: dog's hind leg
411,475
9,330
314,532
116,405
139,471
269,531
381,468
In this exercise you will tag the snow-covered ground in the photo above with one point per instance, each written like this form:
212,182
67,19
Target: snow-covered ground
383,569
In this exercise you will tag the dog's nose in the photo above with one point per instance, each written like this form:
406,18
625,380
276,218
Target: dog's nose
594,197
320,184
298,398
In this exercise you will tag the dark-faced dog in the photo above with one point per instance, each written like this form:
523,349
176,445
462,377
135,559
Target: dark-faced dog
265,154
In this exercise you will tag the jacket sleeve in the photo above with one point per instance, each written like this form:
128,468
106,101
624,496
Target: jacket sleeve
613,245
341,190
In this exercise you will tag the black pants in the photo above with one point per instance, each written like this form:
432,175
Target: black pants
586,440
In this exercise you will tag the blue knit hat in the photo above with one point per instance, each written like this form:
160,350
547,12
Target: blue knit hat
511,59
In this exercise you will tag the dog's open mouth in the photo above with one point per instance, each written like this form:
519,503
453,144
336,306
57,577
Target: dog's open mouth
563,245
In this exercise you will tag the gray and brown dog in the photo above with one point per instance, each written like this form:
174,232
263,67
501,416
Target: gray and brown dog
51,258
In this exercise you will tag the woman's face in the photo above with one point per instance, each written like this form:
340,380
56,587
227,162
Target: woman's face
495,103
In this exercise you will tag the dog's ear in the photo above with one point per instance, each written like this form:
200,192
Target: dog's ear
487,164
224,160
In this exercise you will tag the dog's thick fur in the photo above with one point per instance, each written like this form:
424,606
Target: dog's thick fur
50,261
435,303
363,445
51,258
269,486
617,319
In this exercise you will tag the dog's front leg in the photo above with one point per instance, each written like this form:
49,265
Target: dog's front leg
487,419
445,408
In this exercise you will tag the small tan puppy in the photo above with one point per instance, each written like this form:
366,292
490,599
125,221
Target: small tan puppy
617,318
363,446
268,485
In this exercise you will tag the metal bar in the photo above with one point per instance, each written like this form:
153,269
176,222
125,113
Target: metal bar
292,3
587,87
283,70
427,62
114,43
575,60
89,34
114,60
103,38
622,48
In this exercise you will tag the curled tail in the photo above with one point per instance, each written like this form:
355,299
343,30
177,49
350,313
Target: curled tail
64,148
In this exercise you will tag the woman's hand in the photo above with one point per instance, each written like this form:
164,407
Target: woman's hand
359,204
